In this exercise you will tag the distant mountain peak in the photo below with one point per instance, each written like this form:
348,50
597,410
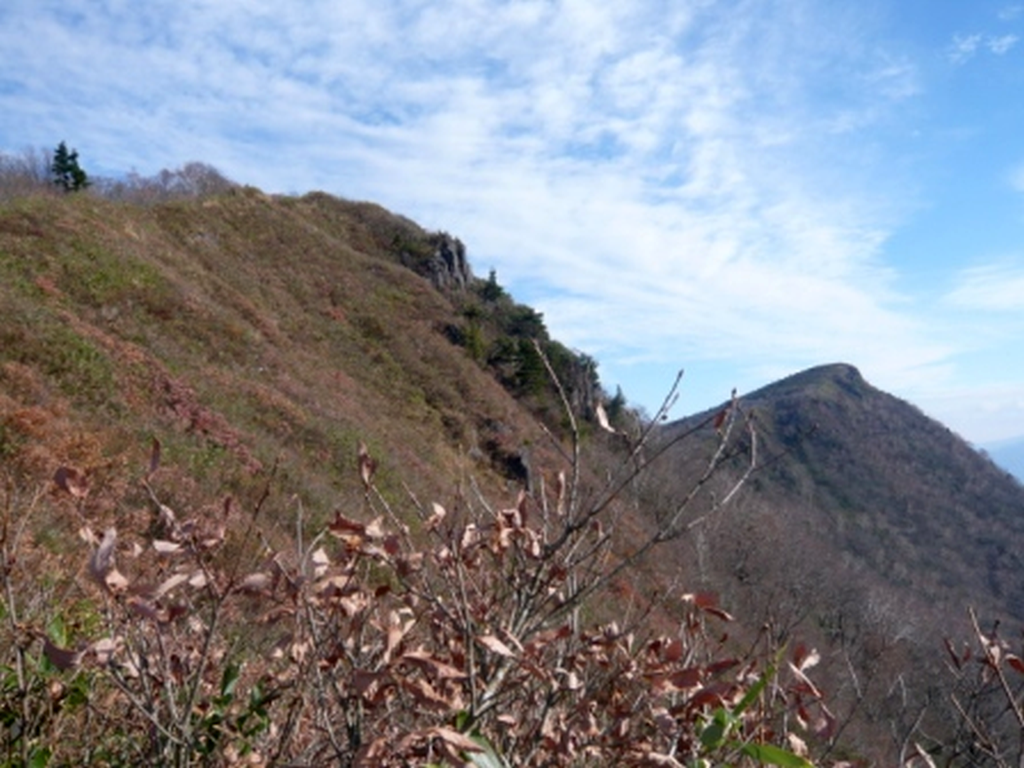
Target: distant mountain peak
838,371
898,492
823,381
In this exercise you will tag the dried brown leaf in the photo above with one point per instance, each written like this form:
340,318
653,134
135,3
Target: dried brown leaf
410,563
685,679
115,581
366,682
367,466
214,538
104,649
824,726
719,613
354,603
435,519
426,661
101,563
298,651
706,697
86,534
718,667
168,584
426,695
321,561
804,659
375,528
602,419
456,739
804,684
673,651
256,582
494,645
399,624
343,525
71,481
797,745
163,547
655,758
571,681
62,658
166,518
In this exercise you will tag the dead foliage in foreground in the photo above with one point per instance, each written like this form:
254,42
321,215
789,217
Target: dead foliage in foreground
428,636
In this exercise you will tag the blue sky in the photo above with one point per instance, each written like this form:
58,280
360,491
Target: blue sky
739,188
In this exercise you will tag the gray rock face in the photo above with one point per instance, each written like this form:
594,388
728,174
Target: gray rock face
449,269
445,265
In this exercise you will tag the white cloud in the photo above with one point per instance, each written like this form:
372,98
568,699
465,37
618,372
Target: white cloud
1001,45
990,288
963,48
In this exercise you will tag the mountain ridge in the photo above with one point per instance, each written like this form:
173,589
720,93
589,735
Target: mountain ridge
903,492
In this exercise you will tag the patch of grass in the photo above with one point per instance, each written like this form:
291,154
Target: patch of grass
35,337
97,277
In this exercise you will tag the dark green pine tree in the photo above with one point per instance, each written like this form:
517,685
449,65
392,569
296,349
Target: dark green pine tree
67,173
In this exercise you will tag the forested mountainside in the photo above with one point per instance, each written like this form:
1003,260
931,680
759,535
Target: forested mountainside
873,529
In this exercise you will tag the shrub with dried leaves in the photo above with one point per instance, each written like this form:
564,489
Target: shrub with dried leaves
421,636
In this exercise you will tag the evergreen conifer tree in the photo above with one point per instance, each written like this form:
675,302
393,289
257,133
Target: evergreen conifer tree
67,173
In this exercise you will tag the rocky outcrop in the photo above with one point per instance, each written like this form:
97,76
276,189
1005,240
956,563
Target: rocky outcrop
443,262
449,268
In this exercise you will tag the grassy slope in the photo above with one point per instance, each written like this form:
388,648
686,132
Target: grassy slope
243,331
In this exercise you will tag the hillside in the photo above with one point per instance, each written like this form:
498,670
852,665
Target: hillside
236,350
246,332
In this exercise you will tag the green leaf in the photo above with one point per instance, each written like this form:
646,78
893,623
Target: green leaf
489,757
40,757
229,680
714,735
57,630
771,755
754,692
